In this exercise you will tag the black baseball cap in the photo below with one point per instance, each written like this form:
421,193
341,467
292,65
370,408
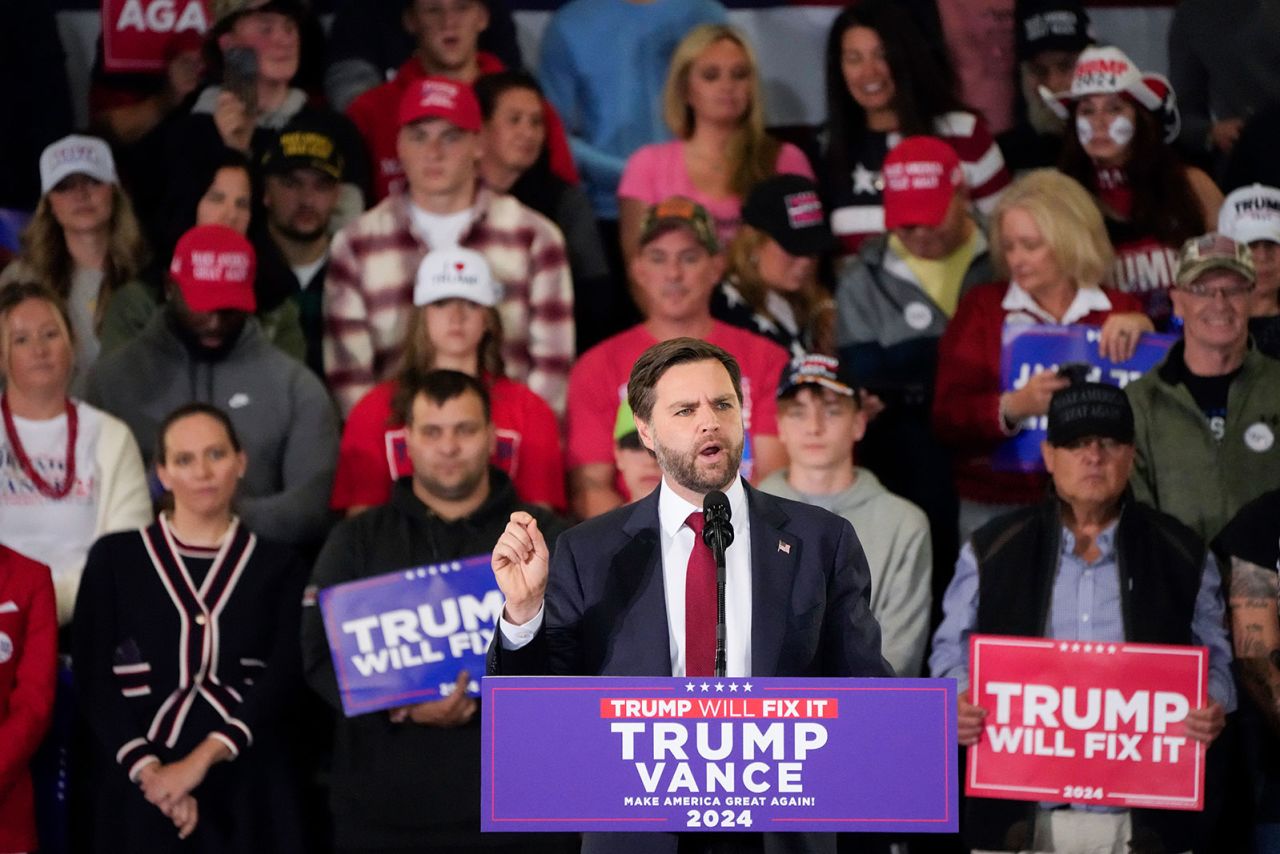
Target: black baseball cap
1085,409
1051,25
788,209
305,145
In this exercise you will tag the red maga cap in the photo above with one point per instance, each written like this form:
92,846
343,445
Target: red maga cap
440,98
214,267
921,175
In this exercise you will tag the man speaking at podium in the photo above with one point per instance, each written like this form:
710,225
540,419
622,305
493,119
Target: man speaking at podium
796,580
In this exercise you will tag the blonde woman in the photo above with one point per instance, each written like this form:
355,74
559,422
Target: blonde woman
713,105
70,472
84,240
1048,239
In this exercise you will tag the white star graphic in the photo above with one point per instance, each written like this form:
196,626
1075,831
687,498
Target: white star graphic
747,687
705,687
1088,647
733,687
865,181
689,686
1111,649
1075,647
763,323
1062,647
720,687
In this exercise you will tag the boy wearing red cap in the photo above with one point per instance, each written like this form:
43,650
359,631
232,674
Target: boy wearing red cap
446,44
369,291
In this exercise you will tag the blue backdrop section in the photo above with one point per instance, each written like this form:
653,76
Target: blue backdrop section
1030,349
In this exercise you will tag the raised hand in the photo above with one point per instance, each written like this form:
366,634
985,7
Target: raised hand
520,563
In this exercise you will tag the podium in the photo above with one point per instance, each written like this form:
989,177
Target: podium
668,754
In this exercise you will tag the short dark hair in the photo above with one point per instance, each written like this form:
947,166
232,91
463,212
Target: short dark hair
655,361
438,386
186,411
490,87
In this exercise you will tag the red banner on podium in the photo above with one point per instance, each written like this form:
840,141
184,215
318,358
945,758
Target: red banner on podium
135,33
1087,722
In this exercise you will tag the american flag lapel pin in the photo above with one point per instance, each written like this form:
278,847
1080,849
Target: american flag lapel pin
785,548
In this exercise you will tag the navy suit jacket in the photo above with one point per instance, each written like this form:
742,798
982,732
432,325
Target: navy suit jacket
606,613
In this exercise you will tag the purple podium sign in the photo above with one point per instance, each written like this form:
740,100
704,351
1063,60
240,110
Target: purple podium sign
702,754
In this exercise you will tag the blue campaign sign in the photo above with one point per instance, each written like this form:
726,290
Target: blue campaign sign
1030,349
403,637
668,754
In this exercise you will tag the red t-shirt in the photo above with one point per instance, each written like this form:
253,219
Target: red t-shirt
373,455
598,385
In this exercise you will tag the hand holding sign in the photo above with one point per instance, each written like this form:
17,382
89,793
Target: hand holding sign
1204,725
520,565
1033,398
453,711
1120,334
969,720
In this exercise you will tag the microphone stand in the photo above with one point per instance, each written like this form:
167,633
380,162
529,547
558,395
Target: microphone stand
718,534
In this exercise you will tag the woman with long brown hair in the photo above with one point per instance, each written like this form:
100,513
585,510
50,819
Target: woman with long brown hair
714,106
84,241
456,326
1119,151
884,83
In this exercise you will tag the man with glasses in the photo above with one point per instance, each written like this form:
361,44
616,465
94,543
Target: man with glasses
1089,563
1207,416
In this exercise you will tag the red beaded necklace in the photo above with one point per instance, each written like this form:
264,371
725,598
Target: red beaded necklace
24,462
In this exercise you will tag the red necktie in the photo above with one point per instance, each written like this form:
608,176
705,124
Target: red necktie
699,604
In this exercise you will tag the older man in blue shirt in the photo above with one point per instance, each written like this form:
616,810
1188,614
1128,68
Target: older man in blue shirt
1090,563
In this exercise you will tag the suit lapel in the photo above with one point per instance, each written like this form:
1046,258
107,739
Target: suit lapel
775,553
640,642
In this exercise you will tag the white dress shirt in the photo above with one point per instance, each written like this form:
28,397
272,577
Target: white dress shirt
677,544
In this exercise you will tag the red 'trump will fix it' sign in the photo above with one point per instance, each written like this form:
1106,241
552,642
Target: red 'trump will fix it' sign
1099,723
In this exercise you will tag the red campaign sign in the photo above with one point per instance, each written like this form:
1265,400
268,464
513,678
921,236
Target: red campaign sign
135,33
1087,722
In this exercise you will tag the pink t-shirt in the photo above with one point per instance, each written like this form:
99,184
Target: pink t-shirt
657,172
598,385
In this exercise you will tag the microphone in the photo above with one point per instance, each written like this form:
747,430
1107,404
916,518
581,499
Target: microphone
717,533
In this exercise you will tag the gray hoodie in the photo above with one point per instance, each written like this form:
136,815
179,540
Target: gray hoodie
283,415
895,536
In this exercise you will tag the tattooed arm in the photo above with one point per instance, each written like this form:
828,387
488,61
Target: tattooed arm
1255,629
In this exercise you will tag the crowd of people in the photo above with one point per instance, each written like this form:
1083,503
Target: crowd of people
302,310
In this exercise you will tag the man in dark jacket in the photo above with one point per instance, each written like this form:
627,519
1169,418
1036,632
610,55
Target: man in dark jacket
1089,563
408,780
205,345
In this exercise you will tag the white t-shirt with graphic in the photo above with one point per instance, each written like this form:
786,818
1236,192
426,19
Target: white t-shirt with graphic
55,532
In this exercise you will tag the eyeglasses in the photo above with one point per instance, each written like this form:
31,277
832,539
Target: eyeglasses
1229,292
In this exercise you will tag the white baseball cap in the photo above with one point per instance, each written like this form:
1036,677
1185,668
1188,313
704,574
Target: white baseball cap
76,155
455,273
1251,213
